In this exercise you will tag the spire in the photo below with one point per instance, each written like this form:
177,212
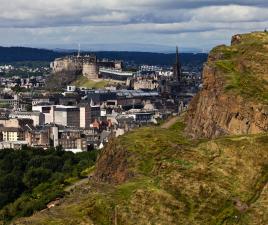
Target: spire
177,66
177,55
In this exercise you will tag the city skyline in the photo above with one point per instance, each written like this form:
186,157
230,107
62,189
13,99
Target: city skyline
148,25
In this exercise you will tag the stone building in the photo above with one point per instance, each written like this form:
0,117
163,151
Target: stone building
37,117
38,137
86,65
90,67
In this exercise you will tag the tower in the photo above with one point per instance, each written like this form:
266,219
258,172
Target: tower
177,74
90,67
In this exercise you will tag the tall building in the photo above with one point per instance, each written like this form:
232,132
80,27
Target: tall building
88,114
67,116
177,74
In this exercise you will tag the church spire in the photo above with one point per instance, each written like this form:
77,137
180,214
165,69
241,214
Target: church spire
177,67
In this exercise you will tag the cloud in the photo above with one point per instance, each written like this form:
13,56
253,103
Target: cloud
158,21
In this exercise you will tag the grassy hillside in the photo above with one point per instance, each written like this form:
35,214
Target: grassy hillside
173,180
244,65
84,82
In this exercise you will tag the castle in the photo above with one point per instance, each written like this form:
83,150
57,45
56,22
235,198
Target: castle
86,65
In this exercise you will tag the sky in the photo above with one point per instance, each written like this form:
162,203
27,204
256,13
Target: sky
141,25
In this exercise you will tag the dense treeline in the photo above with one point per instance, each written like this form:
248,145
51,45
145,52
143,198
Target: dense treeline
30,178
18,54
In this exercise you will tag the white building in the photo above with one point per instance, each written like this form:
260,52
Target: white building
37,117
67,116
47,110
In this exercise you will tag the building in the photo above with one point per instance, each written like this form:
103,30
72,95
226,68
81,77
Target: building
15,122
86,65
38,137
43,100
47,110
67,116
89,113
70,139
90,68
113,74
12,134
10,102
145,82
12,144
38,118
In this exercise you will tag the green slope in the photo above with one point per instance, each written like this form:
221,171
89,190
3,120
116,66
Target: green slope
172,180
82,81
244,66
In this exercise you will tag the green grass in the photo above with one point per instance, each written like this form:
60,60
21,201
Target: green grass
194,181
84,82
243,67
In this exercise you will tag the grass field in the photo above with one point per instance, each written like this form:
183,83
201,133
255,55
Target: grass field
84,82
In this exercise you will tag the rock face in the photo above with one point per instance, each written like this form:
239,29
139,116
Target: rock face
234,96
112,165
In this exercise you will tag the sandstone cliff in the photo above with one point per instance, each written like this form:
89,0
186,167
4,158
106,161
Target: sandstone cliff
234,98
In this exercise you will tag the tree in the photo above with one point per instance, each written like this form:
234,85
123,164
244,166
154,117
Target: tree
35,176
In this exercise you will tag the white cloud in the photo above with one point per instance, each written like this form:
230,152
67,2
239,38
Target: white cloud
230,13
146,21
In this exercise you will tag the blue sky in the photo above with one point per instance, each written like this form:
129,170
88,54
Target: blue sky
149,25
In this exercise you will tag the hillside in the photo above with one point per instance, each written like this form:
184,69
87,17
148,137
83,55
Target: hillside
18,54
234,99
157,175
82,81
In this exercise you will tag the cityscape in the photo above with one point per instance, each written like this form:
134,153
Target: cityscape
79,118
146,112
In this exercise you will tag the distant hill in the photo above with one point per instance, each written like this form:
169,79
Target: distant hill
155,58
16,54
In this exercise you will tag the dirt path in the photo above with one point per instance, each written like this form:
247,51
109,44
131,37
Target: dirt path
76,184
170,122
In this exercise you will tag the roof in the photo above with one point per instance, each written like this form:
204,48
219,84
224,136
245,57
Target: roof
10,129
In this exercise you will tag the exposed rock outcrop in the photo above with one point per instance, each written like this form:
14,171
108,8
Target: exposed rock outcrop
112,165
224,105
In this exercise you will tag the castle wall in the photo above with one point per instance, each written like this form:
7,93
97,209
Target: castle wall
90,70
86,65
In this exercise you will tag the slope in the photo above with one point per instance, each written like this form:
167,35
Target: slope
164,178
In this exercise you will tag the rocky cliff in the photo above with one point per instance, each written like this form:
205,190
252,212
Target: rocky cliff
234,98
